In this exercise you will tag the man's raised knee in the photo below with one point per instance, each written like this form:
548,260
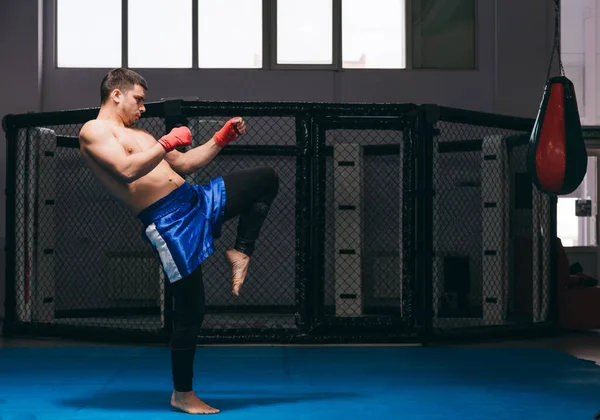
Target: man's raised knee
269,179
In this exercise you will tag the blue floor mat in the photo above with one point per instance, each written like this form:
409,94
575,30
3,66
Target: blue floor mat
301,383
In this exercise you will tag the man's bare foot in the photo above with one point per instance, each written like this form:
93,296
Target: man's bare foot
191,404
239,263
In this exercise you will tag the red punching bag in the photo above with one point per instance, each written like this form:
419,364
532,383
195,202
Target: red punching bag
557,156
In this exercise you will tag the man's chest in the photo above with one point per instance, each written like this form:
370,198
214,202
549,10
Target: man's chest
134,141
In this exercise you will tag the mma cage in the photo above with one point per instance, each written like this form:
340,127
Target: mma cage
393,223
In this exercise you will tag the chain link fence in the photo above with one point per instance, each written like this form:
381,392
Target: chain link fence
338,256
492,229
267,302
368,279
80,259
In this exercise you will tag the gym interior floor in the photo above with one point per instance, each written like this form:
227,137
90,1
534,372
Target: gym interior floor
550,378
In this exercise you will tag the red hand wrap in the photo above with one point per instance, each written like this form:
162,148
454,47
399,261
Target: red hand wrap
178,137
227,134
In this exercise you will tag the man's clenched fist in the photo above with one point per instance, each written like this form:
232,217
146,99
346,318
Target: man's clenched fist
232,129
178,137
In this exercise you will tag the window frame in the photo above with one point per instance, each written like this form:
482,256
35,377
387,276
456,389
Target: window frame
195,41
269,43
336,39
590,94
265,41
54,5
408,50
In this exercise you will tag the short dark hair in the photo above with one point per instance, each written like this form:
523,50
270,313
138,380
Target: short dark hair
122,79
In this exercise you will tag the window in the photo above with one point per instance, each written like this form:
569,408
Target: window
576,230
443,34
579,49
159,33
240,46
373,34
305,32
319,34
88,33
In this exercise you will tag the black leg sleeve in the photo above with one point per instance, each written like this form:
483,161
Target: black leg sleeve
188,315
250,193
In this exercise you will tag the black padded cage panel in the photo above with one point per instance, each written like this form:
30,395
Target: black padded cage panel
393,223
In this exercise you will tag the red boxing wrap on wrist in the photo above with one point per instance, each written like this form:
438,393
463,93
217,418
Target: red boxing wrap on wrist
178,137
227,134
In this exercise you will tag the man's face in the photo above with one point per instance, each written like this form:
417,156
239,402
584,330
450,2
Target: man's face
131,104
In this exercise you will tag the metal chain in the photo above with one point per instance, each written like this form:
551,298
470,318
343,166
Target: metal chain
556,46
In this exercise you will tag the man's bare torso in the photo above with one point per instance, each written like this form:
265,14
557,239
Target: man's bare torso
146,190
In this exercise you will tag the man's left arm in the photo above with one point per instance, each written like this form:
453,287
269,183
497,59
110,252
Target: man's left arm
190,161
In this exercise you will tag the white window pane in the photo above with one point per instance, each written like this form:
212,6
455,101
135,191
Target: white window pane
576,230
240,46
373,34
443,34
573,46
304,32
572,33
88,33
159,34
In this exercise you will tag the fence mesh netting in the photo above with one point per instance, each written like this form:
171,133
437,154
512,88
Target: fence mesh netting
348,256
491,230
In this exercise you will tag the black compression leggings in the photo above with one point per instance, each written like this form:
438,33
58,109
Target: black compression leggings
249,194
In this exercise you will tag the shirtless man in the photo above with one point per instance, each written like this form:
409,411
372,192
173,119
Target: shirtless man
180,220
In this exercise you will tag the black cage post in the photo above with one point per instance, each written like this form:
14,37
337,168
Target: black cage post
409,256
427,117
10,303
304,225
317,186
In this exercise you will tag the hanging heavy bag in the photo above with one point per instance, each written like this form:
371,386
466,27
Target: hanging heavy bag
557,156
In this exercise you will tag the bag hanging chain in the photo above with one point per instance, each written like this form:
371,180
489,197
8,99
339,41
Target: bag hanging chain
556,46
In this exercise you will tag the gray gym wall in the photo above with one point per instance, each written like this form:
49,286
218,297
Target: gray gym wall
514,45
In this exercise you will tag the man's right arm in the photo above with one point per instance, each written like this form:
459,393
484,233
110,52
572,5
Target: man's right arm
98,142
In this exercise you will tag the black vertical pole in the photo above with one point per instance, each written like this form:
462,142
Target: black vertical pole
124,33
10,303
409,293
318,224
304,180
195,41
427,116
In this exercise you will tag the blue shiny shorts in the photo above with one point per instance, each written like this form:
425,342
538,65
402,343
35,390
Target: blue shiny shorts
182,225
